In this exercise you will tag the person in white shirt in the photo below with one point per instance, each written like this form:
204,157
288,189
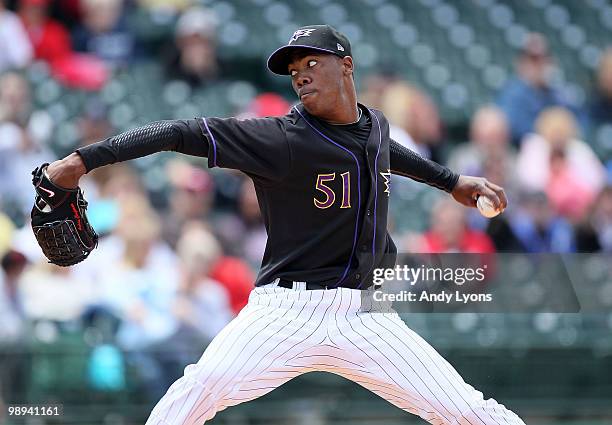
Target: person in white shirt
15,47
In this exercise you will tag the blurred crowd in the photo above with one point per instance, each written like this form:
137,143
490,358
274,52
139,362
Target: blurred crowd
529,139
171,272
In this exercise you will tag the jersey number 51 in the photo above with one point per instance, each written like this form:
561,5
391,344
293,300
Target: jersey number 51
330,195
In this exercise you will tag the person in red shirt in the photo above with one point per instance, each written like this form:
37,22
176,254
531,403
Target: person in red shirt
450,232
51,41
237,277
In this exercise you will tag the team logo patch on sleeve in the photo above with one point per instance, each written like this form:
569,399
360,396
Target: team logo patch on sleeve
301,33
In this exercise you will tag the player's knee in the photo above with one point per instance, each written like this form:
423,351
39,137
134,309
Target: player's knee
211,380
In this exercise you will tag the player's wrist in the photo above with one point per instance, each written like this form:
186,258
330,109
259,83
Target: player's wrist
67,172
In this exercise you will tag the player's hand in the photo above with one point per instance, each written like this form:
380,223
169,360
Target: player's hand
67,172
469,188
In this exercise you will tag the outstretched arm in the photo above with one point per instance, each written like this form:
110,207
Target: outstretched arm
464,189
407,163
183,136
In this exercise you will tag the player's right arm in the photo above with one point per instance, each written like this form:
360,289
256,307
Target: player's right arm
464,189
256,146
176,135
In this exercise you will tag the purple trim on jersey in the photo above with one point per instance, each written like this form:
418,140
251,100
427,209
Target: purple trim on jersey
375,189
214,143
376,180
358,192
295,45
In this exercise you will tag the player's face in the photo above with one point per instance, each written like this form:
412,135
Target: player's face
317,80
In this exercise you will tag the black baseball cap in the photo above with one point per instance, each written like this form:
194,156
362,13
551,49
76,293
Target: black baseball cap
323,38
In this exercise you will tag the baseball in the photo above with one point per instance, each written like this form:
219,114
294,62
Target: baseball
486,207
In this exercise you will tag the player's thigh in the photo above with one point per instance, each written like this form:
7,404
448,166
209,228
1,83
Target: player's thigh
408,372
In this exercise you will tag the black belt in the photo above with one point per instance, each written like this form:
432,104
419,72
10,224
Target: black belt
284,283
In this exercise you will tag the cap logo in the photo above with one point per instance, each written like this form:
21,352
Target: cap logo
339,46
301,33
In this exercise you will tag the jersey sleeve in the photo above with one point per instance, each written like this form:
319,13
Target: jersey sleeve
407,163
257,146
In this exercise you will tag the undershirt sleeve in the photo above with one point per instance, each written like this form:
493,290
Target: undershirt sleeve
182,136
407,163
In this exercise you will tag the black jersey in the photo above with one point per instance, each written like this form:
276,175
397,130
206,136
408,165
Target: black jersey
324,199
323,189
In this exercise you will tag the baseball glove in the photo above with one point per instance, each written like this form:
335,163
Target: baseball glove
59,221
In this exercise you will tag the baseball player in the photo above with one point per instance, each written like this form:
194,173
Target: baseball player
322,179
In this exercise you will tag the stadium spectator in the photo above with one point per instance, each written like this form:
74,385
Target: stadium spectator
202,305
12,312
595,233
555,161
375,85
93,124
600,107
43,283
15,47
414,117
14,358
194,57
50,39
266,105
191,198
23,136
142,283
489,141
7,228
104,32
530,91
105,189
237,278
122,183
15,101
450,232
538,228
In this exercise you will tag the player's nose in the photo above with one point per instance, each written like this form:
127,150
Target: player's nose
303,80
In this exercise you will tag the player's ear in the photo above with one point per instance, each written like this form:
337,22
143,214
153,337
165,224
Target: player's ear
347,63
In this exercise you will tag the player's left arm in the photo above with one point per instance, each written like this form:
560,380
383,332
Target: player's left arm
464,189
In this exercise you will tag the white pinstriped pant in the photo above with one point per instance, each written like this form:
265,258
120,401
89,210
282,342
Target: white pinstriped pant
283,333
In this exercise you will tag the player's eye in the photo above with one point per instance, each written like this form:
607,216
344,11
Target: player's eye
312,62
293,72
